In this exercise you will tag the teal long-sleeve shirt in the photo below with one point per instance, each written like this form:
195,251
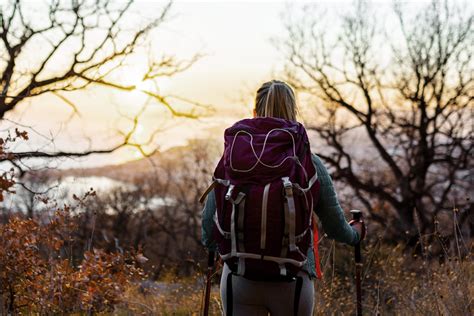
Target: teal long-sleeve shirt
328,210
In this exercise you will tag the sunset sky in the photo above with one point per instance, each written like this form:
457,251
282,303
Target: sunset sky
235,38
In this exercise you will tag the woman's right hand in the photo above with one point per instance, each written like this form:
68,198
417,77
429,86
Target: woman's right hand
360,228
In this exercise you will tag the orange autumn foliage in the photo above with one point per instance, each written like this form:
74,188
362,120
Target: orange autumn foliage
36,276
7,177
41,274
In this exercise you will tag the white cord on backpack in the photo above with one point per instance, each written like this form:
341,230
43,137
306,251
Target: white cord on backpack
259,157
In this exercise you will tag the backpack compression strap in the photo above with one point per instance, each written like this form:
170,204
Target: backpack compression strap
291,212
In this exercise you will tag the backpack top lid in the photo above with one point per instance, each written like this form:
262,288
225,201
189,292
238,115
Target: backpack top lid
262,149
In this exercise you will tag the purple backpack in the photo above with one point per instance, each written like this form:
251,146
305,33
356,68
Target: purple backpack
266,187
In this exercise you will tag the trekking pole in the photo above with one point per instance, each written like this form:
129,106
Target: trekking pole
210,268
357,217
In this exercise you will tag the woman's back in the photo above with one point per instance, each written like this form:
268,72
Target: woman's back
227,212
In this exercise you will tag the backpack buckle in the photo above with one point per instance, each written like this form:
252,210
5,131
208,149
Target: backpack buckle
228,195
288,186
286,182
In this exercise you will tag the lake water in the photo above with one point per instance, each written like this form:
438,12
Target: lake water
64,190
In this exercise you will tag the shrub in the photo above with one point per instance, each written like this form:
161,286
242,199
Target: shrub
37,275
39,272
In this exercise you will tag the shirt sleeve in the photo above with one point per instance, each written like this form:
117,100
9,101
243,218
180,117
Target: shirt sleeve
207,222
329,210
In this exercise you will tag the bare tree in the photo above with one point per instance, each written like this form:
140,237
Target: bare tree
156,210
91,41
406,96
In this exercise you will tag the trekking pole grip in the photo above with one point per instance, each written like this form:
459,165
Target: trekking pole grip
357,217
210,259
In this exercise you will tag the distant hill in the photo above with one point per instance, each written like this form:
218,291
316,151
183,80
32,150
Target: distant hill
131,170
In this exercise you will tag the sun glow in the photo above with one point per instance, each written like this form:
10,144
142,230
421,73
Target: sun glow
144,85
140,134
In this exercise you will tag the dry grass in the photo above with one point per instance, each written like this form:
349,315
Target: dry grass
171,296
395,283
396,280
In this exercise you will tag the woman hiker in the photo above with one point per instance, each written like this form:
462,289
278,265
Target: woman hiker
247,286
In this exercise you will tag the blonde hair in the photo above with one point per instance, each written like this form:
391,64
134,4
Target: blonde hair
276,99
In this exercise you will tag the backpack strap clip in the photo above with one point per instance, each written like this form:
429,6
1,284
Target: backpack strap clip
287,185
228,195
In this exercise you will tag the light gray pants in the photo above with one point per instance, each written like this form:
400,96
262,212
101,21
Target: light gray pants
257,298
